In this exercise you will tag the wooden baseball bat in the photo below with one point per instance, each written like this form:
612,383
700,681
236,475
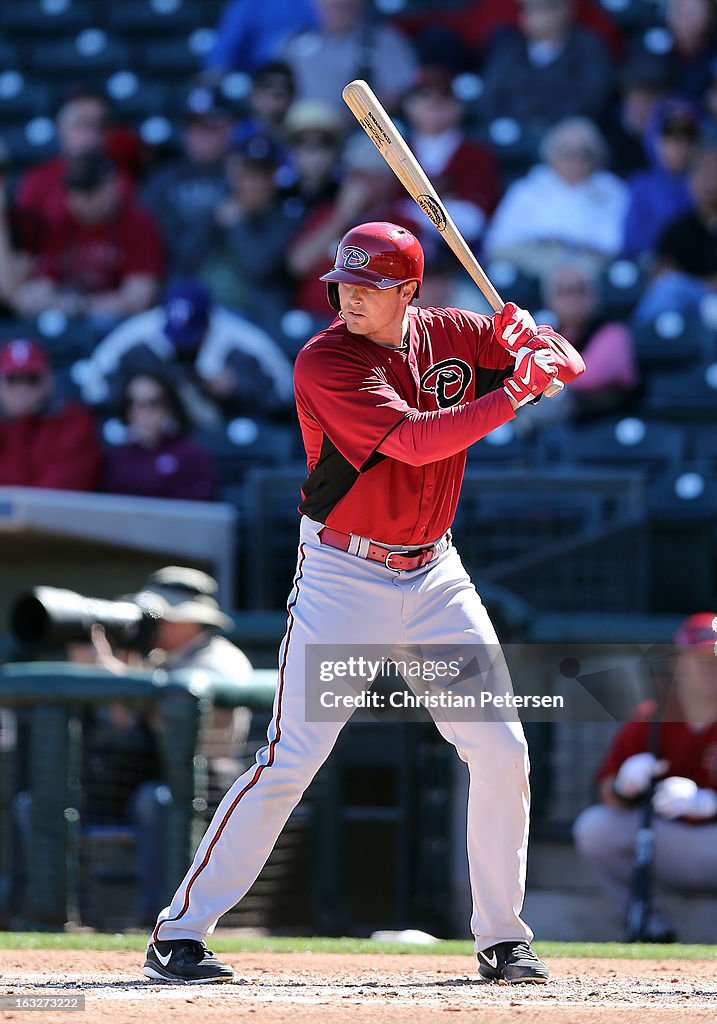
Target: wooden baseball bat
370,114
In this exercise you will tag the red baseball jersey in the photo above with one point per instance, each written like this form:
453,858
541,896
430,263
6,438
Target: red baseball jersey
351,393
692,753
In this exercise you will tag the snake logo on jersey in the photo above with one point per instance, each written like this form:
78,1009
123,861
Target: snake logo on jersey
449,380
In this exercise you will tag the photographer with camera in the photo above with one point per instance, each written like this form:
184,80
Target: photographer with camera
171,623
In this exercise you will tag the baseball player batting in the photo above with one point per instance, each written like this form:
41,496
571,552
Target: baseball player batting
389,398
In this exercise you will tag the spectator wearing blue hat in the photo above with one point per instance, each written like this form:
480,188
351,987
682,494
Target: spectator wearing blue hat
183,193
223,364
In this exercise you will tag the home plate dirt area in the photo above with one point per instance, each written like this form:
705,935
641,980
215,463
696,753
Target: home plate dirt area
320,988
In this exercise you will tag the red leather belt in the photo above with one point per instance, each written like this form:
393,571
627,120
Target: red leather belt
402,559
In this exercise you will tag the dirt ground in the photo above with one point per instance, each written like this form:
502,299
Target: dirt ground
325,988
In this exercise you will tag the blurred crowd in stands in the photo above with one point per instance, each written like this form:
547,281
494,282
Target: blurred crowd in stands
169,285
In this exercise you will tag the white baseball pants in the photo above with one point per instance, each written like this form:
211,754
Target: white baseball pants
339,598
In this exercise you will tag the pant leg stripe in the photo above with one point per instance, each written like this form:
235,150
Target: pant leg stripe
260,768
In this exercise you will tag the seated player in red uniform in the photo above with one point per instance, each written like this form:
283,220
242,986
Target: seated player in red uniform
685,797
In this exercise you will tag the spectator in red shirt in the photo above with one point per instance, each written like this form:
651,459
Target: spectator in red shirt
685,798
44,441
158,459
102,258
83,126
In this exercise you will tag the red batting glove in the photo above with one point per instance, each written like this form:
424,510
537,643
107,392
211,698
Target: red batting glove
569,364
534,370
514,327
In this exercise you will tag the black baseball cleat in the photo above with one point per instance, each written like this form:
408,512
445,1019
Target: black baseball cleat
186,961
512,962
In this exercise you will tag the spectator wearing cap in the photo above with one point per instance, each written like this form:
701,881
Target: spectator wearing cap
103,258
349,43
661,193
158,458
315,133
189,621
463,171
548,70
251,34
685,796
234,365
183,193
44,441
244,266
83,126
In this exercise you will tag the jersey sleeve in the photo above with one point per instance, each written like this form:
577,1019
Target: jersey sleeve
631,738
353,403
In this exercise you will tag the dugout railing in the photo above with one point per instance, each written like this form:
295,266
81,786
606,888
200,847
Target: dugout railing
42,706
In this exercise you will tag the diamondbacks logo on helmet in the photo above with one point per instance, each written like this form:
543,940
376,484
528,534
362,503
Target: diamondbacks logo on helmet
449,380
354,257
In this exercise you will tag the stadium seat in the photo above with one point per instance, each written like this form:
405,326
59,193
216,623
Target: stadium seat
22,99
704,448
45,18
270,533
180,57
16,328
295,328
619,287
682,507
134,99
627,441
632,16
515,149
502,447
684,395
514,284
671,340
157,19
13,55
685,492
245,443
87,56
30,142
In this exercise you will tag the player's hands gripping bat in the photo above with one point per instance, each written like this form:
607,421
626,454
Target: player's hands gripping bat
370,114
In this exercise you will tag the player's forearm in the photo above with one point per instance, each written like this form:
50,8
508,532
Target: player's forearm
424,437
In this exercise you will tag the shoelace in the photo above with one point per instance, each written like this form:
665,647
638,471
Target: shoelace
198,950
523,949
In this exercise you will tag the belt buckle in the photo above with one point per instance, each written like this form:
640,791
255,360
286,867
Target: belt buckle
403,554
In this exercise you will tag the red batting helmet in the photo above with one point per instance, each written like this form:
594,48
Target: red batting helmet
697,630
376,255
